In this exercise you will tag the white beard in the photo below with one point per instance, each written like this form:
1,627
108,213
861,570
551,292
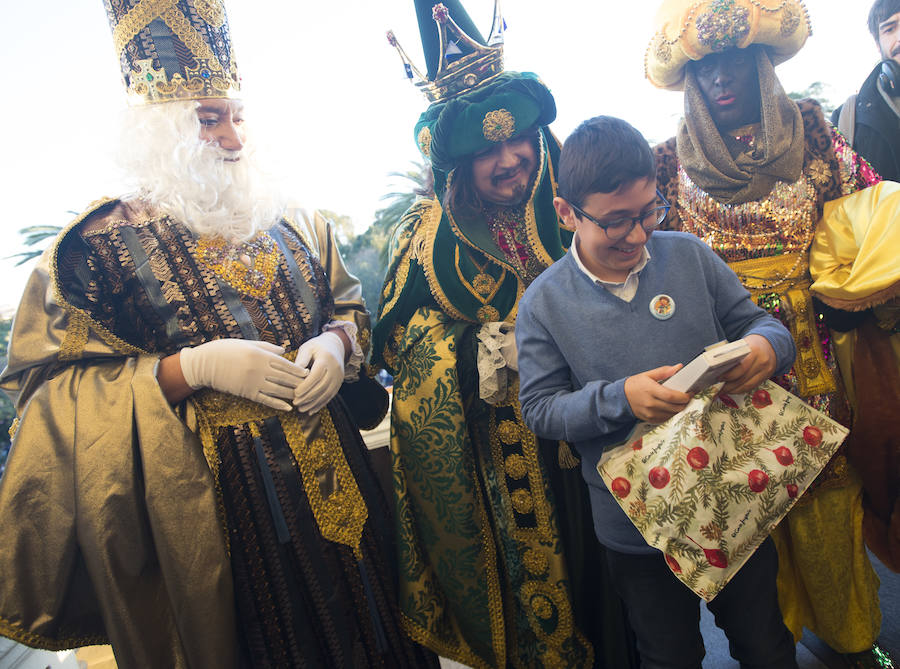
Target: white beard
193,181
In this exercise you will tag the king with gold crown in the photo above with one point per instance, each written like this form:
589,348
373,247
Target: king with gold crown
499,566
187,477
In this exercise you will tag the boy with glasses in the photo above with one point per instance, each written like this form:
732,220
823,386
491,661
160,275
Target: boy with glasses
598,332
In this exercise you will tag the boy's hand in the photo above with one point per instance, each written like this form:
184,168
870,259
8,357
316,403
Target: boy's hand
649,400
755,368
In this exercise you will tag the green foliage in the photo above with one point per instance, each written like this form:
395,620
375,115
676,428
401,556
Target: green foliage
416,182
366,255
343,227
821,93
35,236
365,263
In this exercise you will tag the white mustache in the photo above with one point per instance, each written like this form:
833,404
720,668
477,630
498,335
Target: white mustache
228,155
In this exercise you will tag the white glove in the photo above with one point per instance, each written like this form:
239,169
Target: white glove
324,355
251,369
508,349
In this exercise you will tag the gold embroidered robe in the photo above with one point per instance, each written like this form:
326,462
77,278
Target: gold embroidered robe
193,535
499,563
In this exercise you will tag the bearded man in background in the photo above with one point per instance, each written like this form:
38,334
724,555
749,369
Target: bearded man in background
870,120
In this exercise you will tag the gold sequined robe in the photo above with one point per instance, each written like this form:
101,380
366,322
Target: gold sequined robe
826,582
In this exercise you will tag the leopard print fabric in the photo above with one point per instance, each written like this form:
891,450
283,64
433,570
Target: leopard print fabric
667,181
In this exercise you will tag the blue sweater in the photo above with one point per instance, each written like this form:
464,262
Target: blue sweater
578,343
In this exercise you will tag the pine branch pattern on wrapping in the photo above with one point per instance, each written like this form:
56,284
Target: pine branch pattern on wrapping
710,484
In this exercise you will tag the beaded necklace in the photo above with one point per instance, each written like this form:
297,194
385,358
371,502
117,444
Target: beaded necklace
248,267
783,222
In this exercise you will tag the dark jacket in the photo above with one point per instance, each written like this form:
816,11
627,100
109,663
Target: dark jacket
877,134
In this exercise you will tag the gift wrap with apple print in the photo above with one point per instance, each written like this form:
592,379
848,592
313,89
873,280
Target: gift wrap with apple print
707,486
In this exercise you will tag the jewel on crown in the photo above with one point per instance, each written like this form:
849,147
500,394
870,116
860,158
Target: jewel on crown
173,49
456,76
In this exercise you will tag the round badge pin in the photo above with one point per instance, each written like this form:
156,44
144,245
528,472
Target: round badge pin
662,307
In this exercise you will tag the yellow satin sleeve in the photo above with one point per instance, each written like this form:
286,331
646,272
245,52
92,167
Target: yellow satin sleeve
853,258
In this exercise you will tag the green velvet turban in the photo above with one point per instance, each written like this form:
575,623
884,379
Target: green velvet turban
513,102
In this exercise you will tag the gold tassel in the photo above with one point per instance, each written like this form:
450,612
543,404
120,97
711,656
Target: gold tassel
567,459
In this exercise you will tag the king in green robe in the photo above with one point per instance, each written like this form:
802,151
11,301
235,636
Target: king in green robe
499,565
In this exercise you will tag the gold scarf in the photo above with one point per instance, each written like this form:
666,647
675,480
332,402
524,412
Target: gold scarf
723,167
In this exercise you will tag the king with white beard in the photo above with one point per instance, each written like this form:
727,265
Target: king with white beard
185,481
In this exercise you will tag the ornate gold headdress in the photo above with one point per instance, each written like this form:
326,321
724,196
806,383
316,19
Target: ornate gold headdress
691,29
449,76
173,49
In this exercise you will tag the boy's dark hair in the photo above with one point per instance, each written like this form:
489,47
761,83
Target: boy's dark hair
601,155
881,11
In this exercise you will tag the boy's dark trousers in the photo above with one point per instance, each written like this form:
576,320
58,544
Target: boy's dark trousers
665,614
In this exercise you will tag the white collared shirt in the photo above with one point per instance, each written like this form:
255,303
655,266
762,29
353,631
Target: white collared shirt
625,290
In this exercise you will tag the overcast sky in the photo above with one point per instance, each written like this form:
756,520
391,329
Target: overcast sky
328,97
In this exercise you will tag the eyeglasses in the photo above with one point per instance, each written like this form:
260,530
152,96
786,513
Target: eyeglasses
620,228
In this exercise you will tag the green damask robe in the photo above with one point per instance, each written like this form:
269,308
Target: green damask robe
499,564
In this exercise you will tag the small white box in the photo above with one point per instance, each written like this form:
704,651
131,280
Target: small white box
706,368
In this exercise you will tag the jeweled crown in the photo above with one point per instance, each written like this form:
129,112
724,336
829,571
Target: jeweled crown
476,63
173,49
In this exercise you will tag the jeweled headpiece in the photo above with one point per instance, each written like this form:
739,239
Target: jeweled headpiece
689,30
173,49
510,104
475,104
458,58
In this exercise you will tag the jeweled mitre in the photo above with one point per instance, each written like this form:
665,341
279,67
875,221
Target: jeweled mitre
173,49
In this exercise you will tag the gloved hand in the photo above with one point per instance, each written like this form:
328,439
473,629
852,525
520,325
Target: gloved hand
508,349
254,370
324,355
